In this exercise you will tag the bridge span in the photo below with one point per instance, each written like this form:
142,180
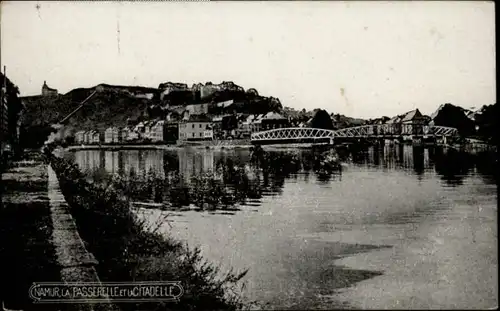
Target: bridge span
381,131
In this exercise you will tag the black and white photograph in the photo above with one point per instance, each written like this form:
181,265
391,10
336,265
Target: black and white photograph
248,155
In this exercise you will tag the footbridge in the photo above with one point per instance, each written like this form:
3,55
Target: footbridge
382,131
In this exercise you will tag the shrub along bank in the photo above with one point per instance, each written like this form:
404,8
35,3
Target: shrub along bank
128,251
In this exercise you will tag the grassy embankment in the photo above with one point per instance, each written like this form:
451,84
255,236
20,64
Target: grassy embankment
128,250
25,234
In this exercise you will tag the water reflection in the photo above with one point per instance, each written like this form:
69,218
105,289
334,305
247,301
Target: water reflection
296,221
152,174
453,166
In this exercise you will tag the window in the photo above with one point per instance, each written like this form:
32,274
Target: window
201,134
193,126
200,125
192,134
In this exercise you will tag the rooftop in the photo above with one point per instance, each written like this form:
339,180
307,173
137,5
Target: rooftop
411,115
273,116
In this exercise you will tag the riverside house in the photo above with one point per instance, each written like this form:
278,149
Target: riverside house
80,137
245,128
394,127
140,129
123,134
273,120
97,137
197,127
85,137
92,137
256,123
111,135
157,131
131,134
413,123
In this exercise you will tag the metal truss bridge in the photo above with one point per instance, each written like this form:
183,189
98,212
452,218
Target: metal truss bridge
366,131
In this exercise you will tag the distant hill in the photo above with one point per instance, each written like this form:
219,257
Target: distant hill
111,105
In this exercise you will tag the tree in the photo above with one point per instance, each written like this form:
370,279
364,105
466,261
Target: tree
252,92
453,116
322,120
487,123
229,123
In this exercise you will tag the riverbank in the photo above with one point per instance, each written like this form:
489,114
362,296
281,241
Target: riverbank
472,146
26,229
129,250
195,145
121,147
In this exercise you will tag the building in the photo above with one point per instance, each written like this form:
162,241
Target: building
147,130
123,134
197,109
80,137
129,134
5,118
117,137
96,137
413,123
197,127
47,91
84,137
111,135
217,126
225,104
157,131
11,109
88,137
168,87
256,125
394,126
140,129
245,128
273,120
208,89
225,126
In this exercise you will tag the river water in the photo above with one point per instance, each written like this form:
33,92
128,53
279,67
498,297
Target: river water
398,227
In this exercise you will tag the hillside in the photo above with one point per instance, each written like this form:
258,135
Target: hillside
109,106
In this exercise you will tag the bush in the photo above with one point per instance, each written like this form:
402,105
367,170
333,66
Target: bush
128,250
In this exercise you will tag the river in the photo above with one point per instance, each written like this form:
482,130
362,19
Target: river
398,227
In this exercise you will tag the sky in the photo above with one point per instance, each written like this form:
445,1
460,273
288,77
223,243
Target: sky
362,59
